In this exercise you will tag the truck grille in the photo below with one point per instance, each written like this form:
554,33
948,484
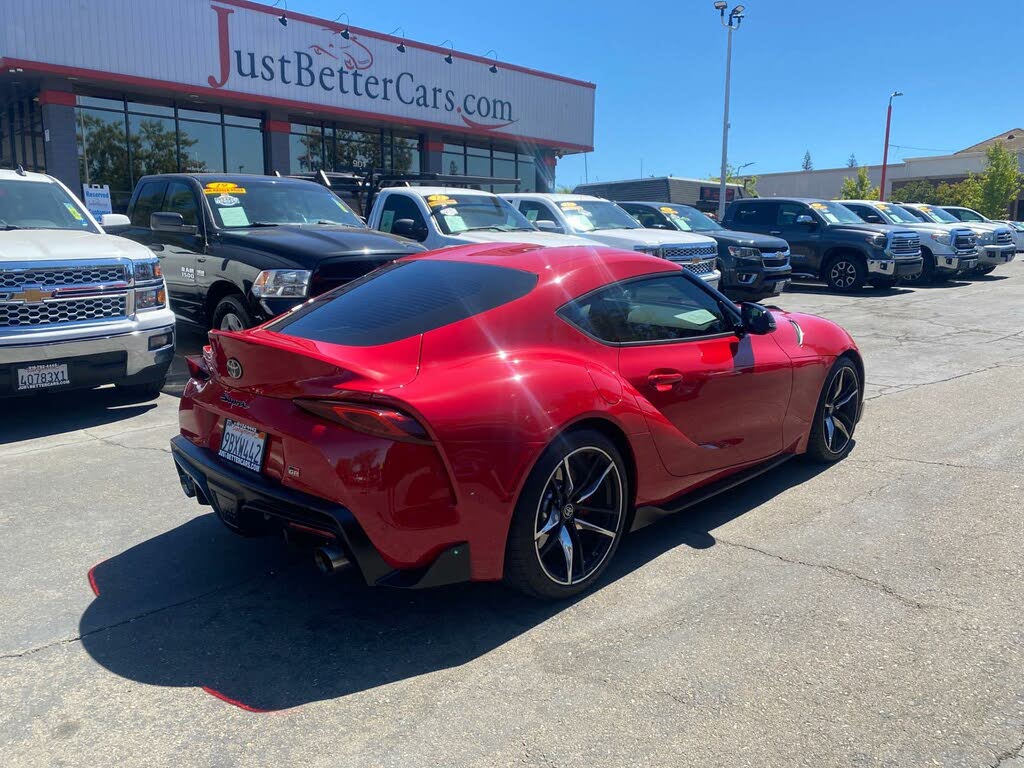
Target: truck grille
62,311
684,252
965,242
705,267
906,244
775,258
56,278
1004,238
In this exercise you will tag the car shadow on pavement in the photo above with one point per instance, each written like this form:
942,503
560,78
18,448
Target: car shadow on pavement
820,289
253,626
56,413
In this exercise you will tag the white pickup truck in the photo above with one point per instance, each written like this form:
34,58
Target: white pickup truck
443,216
78,308
604,222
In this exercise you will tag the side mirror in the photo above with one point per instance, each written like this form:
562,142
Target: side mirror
548,226
805,219
409,228
171,223
757,319
114,220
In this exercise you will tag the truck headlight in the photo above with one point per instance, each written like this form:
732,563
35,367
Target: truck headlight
281,284
744,253
880,240
942,239
985,237
149,298
147,271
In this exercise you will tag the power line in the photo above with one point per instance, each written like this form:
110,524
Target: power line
922,149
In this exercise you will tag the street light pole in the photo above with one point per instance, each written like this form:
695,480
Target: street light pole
885,151
732,23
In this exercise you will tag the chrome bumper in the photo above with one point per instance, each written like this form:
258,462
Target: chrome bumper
901,267
712,278
994,255
130,336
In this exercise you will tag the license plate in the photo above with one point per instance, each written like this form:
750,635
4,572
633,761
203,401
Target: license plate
43,376
780,287
243,445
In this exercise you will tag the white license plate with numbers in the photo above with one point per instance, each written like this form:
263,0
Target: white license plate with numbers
43,376
243,445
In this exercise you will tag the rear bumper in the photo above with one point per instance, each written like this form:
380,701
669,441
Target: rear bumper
244,500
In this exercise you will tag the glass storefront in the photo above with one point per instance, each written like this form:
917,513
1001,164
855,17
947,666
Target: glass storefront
467,160
121,141
334,147
21,135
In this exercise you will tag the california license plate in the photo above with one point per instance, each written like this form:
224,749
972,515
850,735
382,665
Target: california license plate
243,445
43,376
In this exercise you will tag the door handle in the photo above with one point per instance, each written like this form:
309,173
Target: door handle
775,232
201,259
664,380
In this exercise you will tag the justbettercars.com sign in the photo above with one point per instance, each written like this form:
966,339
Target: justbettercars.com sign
234,47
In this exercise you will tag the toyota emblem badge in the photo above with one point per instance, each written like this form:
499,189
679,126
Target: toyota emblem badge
234,368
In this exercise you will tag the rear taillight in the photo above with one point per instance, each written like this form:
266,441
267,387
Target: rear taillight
369,419
199,367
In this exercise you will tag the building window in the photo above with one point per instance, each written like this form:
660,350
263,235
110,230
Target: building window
21,136
466,160
339,148
121,141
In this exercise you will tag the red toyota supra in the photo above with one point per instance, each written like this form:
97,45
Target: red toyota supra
504,411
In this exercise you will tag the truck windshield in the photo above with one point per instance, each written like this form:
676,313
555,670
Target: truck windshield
937,214
834,213
688,219
897,214
593,215
457,213
40,205
264,202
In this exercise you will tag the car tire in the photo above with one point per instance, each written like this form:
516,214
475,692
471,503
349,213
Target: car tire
569,519
845,273
138,393
928,270
231,314
986,270
838,411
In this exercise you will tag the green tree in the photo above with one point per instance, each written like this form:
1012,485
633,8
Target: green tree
999,184
732,177
859,187
851,161
807,164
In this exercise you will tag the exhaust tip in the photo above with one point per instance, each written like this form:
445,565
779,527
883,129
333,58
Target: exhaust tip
329,559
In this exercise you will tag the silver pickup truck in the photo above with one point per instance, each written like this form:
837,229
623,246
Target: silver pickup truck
78,308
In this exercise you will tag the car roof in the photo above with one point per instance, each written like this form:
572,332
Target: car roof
778,198
427,191
569,271
557,197
232,178
25,176
653,204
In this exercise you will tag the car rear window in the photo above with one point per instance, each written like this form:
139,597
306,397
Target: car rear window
403,299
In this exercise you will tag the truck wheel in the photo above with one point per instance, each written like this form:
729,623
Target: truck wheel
927,275
845,273
984,270
231,314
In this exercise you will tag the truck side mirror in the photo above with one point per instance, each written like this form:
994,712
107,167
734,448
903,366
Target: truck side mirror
548,226
805,219
171,223
114,220
409,228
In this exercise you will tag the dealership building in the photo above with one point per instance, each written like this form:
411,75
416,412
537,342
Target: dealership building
106,92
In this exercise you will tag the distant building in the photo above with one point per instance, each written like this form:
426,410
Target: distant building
952,168
700,193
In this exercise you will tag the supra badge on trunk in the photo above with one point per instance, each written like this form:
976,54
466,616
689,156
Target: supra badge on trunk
226,398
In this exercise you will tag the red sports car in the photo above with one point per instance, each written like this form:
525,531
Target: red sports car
503,411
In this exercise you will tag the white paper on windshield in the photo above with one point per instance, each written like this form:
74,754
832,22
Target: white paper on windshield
234,217
455,223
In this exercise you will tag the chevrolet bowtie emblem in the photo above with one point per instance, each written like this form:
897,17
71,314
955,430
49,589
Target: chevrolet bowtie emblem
31,295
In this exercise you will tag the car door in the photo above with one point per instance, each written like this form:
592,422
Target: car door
648,217
400,207
149,200
184,253
536,211
868,214
712,398
804,239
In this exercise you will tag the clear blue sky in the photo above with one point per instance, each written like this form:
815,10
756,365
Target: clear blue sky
807,75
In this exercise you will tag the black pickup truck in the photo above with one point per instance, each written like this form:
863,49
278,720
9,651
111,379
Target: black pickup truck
753,266
238,249
829,242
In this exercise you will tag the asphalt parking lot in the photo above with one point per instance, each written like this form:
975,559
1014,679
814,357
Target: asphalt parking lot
864,615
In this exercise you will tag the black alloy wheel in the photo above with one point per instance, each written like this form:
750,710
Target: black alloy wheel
845,273
837,414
